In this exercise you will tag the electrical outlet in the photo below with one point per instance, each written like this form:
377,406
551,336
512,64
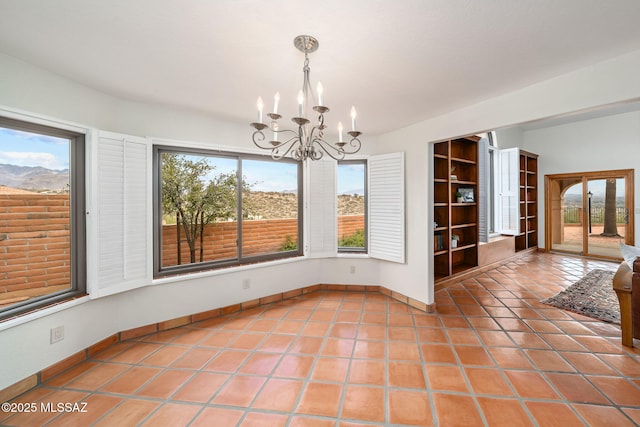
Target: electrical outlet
352,269
57,334
246,283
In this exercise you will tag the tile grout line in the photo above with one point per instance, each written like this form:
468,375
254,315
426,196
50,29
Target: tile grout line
517,395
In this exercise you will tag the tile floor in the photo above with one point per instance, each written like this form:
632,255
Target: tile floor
492,355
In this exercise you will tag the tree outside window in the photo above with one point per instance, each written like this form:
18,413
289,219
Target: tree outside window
208,217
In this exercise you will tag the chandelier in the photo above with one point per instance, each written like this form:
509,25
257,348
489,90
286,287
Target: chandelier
307,141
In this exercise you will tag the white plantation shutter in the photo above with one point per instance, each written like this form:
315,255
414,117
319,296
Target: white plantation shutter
483,189
510,191
386,207
123,213
321,220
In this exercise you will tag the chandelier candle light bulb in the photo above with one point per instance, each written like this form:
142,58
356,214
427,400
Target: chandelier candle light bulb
353,118
260,105
307,139
319,89
300,103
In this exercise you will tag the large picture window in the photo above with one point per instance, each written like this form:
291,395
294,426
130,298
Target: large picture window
42,233
352,212
215,210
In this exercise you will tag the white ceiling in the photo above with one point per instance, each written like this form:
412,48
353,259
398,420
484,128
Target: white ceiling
398,61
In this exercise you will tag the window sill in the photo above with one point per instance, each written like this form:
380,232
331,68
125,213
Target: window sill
226,270
41,312
353,255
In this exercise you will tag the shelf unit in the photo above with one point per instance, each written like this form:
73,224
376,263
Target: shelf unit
457,157
528,237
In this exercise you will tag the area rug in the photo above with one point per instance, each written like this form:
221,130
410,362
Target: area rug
591,296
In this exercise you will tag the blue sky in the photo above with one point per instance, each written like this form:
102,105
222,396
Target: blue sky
597,187
261,175
279,177
270,176
351,178
30,149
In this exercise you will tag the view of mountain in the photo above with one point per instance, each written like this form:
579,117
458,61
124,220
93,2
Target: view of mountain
34,178
353,191
273,205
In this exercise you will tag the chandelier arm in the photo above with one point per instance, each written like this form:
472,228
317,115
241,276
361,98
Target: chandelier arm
292,139
257,137
312,132
320,124
284,132
304,142
313,153
355,143
288,144
334,152
317,155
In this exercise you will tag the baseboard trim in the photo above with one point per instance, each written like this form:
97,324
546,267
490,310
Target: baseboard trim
70,362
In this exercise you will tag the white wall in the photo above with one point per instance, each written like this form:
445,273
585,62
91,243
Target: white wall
25,347
410,279
604,83
509,137
605,143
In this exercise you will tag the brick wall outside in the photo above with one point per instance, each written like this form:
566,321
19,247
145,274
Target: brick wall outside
220,243
349,224
34,243
267,236
260,237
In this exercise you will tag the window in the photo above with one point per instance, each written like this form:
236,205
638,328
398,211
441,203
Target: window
352,212
215,210
42,238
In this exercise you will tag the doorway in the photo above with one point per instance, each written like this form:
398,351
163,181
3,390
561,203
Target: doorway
588,213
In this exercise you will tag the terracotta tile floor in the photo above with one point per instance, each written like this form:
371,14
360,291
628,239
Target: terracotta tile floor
493,355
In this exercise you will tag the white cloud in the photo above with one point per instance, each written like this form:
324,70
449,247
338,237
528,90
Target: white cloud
34,136
46,160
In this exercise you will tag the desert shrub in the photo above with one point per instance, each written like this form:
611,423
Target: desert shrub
355,240
289,244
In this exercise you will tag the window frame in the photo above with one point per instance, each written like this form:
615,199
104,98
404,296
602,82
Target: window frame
161,272
347,249
77,217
